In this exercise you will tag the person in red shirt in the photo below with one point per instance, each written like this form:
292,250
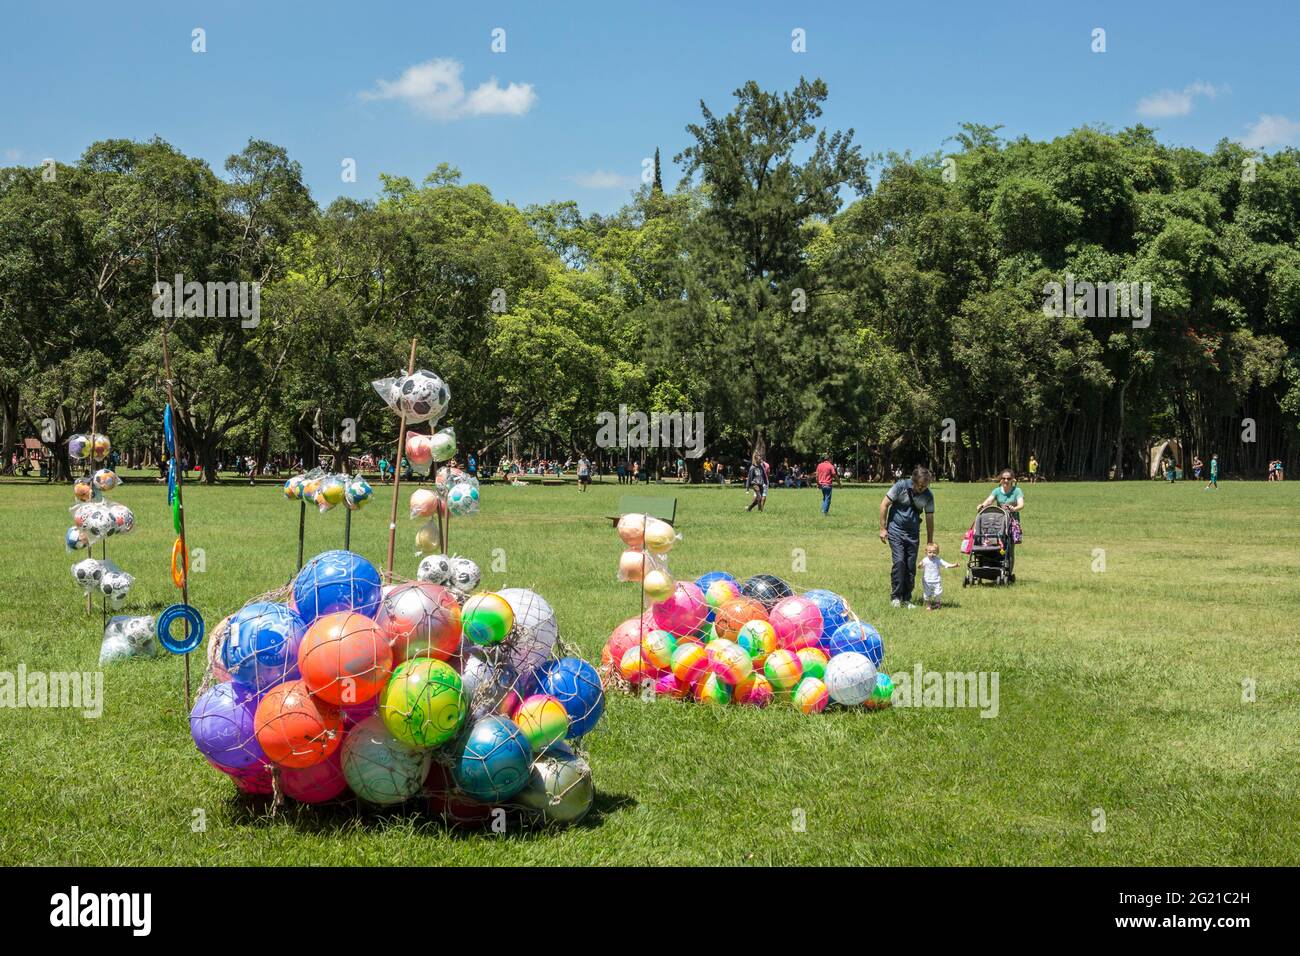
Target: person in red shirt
826,476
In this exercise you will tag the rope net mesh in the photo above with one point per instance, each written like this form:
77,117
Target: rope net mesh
413,695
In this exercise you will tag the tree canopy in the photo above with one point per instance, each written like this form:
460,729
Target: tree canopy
804,296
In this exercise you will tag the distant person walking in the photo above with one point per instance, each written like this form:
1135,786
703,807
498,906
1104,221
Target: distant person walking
757,483
1197,465
584,473
826,477
900,528
1033,468
1214,473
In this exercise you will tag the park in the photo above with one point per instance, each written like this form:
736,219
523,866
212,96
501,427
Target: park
814,491
1146,716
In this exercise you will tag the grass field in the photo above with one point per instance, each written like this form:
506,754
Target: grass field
1121,691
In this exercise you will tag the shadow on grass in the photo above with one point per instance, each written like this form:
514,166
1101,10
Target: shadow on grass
338,817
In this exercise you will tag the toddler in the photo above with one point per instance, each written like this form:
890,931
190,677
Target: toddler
931,580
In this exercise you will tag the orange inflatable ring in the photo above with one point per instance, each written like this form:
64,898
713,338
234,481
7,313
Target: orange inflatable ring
180,564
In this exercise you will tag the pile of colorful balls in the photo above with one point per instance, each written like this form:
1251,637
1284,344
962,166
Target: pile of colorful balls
341,687
719,641
324,490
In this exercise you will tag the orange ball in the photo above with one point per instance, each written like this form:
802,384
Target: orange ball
295,729
735,614
344,658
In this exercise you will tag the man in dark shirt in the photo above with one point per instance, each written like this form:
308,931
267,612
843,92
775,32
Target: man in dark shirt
900,528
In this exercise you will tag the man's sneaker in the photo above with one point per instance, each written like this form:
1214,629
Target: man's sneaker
910,606
896,602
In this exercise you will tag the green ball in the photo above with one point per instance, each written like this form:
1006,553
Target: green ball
379,768
423,703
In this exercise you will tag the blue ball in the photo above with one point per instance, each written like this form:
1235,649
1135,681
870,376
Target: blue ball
856,636
337,581
704,580
576,685
835,610
261,646
493,761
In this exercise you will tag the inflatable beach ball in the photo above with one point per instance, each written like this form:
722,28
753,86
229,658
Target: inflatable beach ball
261,645
856,636
378,767
850,678
492,762
423,704
559,786
797,622
486,619
576,685
337,581
222,725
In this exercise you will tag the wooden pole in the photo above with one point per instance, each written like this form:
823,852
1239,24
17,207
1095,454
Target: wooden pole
397,478
180,504
302,528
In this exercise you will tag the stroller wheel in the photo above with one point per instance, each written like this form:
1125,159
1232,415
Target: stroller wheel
965,582
1011,579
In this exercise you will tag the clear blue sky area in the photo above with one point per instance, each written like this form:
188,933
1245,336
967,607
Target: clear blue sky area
584,91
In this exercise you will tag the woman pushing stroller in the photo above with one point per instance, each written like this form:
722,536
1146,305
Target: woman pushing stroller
991,541
1007,495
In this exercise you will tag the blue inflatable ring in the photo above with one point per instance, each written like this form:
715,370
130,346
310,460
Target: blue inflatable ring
164,629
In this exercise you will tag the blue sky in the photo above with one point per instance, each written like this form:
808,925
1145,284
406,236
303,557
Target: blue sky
584,91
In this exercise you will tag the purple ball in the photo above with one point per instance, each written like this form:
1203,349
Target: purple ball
221,724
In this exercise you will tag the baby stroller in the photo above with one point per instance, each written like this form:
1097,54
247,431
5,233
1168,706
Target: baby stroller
992,554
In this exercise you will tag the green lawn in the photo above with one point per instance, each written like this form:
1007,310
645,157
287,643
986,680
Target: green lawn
1120,691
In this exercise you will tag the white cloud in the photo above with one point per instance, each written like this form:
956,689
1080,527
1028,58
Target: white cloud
1270,130
604,179
1176,102
435,89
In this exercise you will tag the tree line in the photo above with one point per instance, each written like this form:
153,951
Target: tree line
807,298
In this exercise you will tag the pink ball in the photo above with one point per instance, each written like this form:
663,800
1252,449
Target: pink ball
353,714
419,449
317,783
797,622
628,634
670,686
255,779
685,610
